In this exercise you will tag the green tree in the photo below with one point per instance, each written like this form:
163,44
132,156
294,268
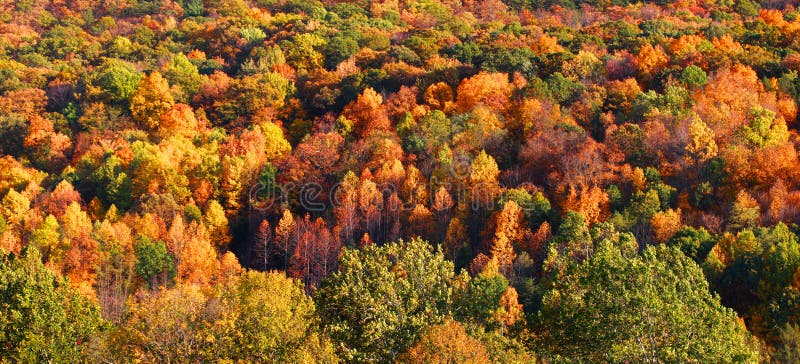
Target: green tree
694,76
42,319
180,71
154,264
47,238
562,88
650,307
694,242
629,138
643,205
118,79
483,300
339,48
789,350
573,241
435,129
267,89
763,129
193,8
301,51
381,298
112,185
747,7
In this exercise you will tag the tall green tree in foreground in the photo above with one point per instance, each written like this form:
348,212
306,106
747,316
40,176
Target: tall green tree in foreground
382,298
654,306
42,319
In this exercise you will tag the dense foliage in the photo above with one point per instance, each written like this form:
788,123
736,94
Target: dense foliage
421,181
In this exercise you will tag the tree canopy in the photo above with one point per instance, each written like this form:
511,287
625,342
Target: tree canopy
505,181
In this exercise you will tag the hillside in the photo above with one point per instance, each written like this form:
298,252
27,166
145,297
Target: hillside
414,181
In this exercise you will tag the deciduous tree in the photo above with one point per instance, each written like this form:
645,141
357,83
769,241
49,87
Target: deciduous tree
42,318
661,284
405,286
151,99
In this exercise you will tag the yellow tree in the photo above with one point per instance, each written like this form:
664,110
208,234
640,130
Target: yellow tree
439,96
285,235
229,267
484,128
442,203
483,180
151,99
116,267
370,202
232,189
275,143
163,325
391,173
14,207
394,206
199,263
591,202
216,223
701,145
503,253
47,238
195,256
415,186
176,237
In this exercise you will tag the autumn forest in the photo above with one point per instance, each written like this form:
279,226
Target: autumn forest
399,181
